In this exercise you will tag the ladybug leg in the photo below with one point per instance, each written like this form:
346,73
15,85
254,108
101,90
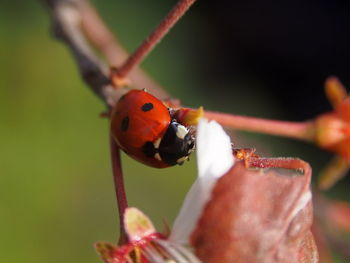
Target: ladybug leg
245,154
187,116
116,80
107,113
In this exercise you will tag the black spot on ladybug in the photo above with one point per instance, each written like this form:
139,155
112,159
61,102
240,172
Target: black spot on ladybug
148,149
147,107
125,124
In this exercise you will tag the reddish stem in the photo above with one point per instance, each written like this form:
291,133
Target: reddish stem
286,163
119,187
149,43
104,41
335,170
297,130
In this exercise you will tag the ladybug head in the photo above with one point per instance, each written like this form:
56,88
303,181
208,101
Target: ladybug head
174,147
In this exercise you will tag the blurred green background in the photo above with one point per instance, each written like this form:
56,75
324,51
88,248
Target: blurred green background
56,192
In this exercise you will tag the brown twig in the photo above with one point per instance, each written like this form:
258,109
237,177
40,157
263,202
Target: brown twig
77,24
66,19
103,40
74,20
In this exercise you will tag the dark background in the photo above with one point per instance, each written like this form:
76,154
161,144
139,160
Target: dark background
288,47
258,58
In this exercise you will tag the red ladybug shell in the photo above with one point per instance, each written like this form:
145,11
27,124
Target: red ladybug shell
139,118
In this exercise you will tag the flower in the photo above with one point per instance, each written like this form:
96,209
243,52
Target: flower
236,214
230,214
332,132
144,244
214,159
333,128
214,152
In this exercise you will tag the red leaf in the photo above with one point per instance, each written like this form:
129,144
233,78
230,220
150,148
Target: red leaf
321,241
257,217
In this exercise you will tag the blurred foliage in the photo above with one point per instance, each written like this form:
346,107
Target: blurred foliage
56,194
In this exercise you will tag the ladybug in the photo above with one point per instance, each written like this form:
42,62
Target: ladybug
144,129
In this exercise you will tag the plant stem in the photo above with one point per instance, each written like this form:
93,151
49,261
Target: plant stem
119,187
65,19
285,163
100,36
149,43
333,172
297,130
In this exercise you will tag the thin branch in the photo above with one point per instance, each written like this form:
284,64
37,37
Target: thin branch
286,163
104,41
66,20
335,170
77,24
153,39
119,187
297,130
74,20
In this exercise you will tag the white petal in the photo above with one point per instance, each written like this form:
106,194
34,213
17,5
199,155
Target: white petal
214,159
214,149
